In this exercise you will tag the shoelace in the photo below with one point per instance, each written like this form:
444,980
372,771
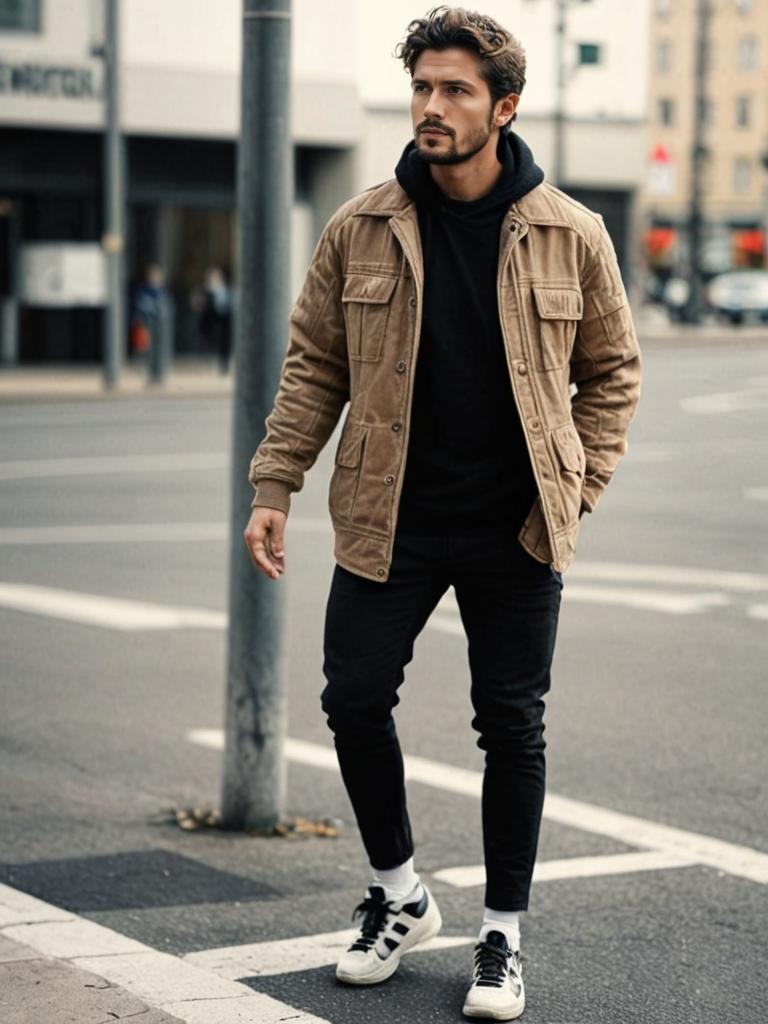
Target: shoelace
374,914
491,965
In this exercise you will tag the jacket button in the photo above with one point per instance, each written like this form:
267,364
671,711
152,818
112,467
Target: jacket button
400,367
397,427
535,424
522,369
389,480
412,302
381,572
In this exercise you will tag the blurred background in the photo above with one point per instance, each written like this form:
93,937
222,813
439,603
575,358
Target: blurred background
617,109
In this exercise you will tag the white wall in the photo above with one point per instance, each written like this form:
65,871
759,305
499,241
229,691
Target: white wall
617,88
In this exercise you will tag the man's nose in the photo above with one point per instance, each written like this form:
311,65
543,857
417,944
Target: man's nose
434,108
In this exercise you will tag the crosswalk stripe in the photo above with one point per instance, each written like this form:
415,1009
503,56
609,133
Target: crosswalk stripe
303,953
110,612
185,990
731,858
575,867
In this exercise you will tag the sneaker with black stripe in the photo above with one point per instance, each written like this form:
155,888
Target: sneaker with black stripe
496,991
387,930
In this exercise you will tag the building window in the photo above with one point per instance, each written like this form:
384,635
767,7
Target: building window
743,109
707,112
666,112
21,15
589,53
744,6
663,8
742,174
664,55
748,53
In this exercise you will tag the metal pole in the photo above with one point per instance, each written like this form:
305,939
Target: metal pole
114,202
693,307
254,775
558,159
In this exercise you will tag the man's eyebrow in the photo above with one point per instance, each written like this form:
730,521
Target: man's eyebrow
448,81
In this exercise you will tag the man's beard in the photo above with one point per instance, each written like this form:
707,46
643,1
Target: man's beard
476,141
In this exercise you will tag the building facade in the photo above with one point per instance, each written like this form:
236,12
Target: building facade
735,134
180,117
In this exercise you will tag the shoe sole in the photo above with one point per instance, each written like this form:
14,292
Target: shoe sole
498,1013
390,965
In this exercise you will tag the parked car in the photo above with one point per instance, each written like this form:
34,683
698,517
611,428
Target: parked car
739,294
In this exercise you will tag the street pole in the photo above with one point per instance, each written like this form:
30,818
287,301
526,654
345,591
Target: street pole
113,234
253,789
558,160
693,307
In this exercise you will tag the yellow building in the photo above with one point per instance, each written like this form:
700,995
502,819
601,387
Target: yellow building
735,132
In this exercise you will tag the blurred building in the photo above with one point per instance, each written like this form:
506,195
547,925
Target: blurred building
735,118
180,114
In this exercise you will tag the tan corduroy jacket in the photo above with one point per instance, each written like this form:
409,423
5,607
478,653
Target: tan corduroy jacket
354,337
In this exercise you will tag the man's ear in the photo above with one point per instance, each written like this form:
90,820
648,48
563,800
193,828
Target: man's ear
505,110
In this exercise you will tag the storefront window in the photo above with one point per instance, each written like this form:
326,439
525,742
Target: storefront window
21,15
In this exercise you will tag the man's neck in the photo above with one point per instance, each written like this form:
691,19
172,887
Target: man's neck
472,179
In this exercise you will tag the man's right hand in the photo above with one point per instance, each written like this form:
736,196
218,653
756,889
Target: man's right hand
264,538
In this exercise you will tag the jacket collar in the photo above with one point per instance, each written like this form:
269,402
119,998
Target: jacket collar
391,200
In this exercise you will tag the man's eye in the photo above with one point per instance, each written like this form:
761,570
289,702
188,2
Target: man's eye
455,88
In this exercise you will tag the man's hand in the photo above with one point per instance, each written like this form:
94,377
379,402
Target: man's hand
264,539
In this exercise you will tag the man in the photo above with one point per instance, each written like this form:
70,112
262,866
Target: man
454,308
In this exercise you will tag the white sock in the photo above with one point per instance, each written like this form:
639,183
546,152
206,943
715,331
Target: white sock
398,883
505,921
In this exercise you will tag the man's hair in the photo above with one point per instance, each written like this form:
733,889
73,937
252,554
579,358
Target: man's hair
502,58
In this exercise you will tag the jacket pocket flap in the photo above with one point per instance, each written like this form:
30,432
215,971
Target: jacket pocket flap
364,288
558,303
348,452
568,447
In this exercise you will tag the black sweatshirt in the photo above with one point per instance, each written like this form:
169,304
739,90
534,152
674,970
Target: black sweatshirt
468,464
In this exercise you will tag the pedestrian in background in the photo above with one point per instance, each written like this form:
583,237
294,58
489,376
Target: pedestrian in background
453,307
216,315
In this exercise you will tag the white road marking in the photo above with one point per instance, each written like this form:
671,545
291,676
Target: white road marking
73,938
181,462
575,867
304,953
644,599
733,859
110,612
672,575
140,533
756,493
758,611
726,401
166,982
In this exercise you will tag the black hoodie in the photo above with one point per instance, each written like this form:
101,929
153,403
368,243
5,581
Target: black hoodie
467,464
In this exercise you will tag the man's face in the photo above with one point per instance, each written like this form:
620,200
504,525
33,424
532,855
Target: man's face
453,115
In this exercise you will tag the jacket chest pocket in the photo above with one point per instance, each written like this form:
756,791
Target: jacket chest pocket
558,312
366,301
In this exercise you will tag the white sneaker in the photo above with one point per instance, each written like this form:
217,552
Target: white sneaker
497,989
388,930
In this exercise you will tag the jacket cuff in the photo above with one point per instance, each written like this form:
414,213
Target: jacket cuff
272,494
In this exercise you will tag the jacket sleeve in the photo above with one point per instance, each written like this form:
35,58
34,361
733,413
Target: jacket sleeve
605,367
314,383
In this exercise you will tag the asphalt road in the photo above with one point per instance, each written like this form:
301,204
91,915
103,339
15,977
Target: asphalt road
658,710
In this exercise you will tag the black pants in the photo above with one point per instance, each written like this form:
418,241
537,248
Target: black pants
509,606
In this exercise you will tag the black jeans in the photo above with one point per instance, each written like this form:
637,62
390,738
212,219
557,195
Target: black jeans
509,606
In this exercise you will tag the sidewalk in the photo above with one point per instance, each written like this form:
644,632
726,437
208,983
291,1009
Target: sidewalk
202,379
36,988
188,378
